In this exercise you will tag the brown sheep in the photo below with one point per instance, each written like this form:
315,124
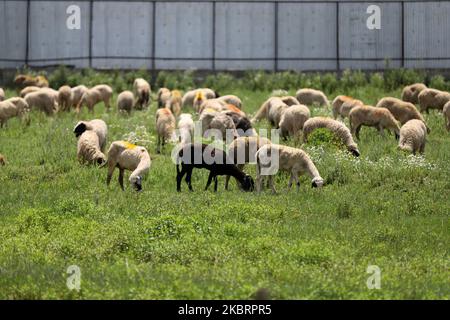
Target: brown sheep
432,99
370,116
402,111
411,93
23,81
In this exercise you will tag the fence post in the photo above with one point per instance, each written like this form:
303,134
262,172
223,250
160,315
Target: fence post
27,44
403,34
154,35
338,63
91,32
276,37
214,35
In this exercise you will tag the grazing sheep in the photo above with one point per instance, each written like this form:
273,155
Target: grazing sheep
163,97
338,128
65,98
293,160
215,104
215,160
125,101
289,100
188,98
2,160
206,117
310,97
97,125
272,110
342,105
92,96
185,128
232,108
242,123
142,91
413,136
13,107
292,120
276,111
432,99
402,111
198,100
224,124
23,81
127,156
174,103
411,93
88,148
77,94
243,150
165,127
231,99
45,100
446,112
380,118
2,94
28,90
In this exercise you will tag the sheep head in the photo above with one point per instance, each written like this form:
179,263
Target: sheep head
317,182
136,182
79,128
248,184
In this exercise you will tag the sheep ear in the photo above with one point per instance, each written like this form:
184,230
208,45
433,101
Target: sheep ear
79,129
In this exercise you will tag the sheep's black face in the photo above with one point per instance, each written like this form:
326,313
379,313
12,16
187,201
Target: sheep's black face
248,184
355,153
138,184
397,136
79,129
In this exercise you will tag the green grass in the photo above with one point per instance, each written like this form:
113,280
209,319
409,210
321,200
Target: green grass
386,208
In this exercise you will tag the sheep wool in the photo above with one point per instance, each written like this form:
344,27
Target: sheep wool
125,101
338,128
27,90
432,99
292,120
232,99
206,117
292,160
223,124
13,107
185,128
92,96
2,94
311,97
264,111
163,97
189,97
402,111
446,113
411,93
370,116
26,80
165,127
290,101
127,156
65,98
342,105
97,125
142,91
88,149
45,100
174,103
413,136
77,94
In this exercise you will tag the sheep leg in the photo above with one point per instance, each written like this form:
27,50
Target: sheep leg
180,175
272,186
121,171
227,180
358,129
210,177
188,179
158,150
297,181
111,168
381,130
291,179
215,183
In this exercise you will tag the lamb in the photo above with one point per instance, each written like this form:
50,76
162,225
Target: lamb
163,97
2,160
447,115
265,111
242,123
342,105
186,128
292,120
310,97
65,98
188,98
77,94
127,156
293,160
413,136
243,150
97,125
401,110
12,107
125,101
28,90
231,99
88,148
165,127
223,124
174,103
215,160
142,91
432,99
411,93
92,96
26,80
2,94
45,100
380,118
338,128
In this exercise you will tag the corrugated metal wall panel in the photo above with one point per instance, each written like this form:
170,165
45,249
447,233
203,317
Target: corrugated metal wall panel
50,38
12,33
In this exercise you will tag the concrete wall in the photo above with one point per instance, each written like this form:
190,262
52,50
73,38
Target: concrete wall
221,35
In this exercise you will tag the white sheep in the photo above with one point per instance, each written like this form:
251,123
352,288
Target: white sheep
88,148
28,90
413,136
446,113
45,100
231,99
311,97
272,110
185,128
338,128
98,126
13,107
142,91
292,120
189,97
402,111
125,101
206,117
94,95
2,94
163,97
127,156
174,103
274,157
411,93
165,127
65,98
215,104
290,100
342,105
432,99
370,116
77,94
224,125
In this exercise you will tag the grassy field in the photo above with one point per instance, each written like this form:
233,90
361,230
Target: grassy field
386,208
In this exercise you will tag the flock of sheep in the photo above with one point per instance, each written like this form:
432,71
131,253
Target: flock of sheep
224,115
